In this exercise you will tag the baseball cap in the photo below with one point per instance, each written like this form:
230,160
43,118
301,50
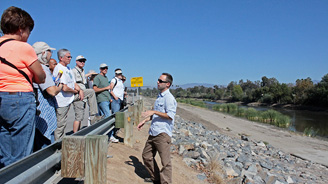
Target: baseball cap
103,65
118,71
40,47
80,58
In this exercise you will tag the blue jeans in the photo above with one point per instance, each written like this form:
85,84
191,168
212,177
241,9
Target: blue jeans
40,141
17,126
104,109
116,105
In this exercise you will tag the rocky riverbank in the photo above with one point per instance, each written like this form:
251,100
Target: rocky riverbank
241,160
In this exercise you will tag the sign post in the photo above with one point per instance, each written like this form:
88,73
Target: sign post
137,82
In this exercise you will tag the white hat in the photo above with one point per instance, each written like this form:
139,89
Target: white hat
80,57
103,65
118,71
92,72
40,47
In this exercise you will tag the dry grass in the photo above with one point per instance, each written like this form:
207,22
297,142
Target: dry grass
215,171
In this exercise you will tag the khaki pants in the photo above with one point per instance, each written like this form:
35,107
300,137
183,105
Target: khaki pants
61,113
161,144
79,106
90,97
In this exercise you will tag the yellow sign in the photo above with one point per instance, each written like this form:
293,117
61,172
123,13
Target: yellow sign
136,82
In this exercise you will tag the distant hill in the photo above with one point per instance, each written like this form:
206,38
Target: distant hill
183,86
316,81
191,85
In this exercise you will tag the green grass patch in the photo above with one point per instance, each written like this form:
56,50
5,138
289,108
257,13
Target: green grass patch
270,116
198,103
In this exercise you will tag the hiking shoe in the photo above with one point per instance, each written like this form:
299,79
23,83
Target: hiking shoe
148,180
113,140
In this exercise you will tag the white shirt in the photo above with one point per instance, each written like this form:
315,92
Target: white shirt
65,98
119,88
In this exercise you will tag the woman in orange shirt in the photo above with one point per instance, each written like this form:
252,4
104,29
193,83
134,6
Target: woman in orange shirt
17,101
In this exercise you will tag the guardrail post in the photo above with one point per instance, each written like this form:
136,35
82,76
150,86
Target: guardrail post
119,120
139,107
96,159
72,162
134,110
128,129
125,120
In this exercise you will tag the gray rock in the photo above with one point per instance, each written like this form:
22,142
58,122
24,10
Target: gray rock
231,172
271,179
190,162
201,177
181,149
192,154
258,180
244,161
252,169
261,144
244,138
266,164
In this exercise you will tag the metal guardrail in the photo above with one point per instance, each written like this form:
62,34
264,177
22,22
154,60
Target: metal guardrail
43,164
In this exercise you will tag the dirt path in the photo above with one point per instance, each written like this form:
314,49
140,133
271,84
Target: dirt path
305,147
126,166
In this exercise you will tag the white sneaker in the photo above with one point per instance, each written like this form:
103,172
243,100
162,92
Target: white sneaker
113,140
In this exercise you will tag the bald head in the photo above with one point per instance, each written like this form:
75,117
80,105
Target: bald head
52,64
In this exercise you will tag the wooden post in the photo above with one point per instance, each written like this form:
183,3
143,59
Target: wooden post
139,111
119,120
96,159
128,129
133,109
72,162
136,114
141,105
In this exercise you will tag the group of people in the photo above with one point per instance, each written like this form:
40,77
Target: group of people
36,94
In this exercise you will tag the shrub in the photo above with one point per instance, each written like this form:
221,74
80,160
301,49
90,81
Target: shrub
251,114
231,107
310,132
197,103
269,116
241,112
283,121
216,107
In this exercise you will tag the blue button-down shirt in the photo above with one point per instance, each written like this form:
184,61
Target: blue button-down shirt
166,103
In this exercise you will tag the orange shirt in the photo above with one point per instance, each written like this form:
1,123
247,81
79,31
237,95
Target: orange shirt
22,55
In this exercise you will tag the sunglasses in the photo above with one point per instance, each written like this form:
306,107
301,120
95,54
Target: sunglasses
104,68
68,57
161,81
81,61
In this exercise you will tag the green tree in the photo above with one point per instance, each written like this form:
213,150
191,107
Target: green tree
301,90
318,95
237,93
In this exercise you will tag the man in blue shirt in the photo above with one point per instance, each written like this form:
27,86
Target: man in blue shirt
160,132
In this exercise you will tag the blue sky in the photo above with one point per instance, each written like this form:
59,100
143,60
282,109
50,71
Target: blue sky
214,41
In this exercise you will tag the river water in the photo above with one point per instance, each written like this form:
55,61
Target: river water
300,119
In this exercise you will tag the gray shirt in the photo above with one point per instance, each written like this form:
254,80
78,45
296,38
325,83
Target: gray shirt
79,76
48,81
